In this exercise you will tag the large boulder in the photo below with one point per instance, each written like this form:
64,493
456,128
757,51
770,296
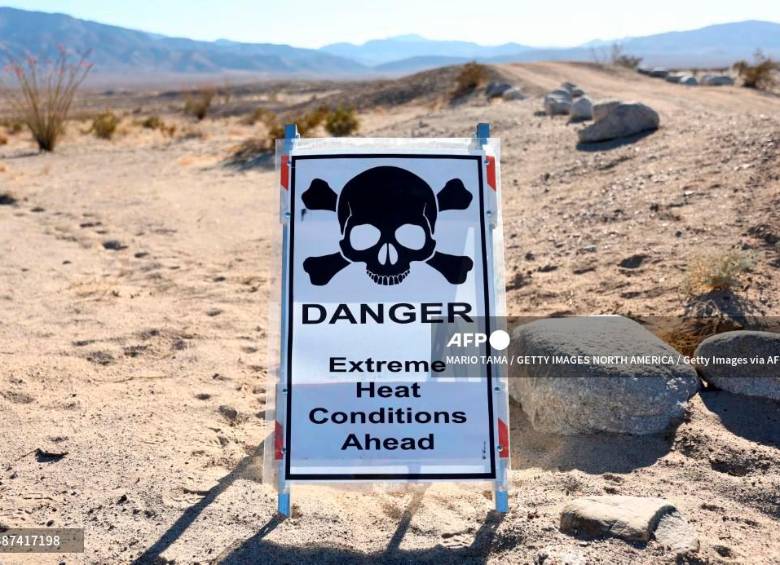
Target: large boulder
581,109
496,89
574,90
717,80
601,109
557,102
513,94
622,120
658,72
720,354
584,392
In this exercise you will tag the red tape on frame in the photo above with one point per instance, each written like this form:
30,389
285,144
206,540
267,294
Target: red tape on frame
278,442
285,172
503,439
491,172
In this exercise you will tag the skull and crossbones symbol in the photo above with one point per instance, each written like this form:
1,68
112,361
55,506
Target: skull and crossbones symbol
387,217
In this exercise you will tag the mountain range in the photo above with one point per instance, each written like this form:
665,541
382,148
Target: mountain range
124,52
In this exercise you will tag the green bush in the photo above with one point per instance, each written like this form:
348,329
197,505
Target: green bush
342,122
104,125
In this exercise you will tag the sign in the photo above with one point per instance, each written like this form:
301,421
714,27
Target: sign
381,248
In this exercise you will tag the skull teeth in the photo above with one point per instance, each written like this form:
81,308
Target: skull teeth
387,280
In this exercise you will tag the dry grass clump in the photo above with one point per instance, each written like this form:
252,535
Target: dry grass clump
44,95
157,123
342,122
257,115
199,103
686,335
471,76
716,271
12,127
188,133
760,75
104,125
3,139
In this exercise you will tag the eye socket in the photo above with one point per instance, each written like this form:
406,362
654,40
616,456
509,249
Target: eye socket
411,236
363,236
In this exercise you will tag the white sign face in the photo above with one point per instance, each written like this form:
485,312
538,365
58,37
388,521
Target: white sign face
380,248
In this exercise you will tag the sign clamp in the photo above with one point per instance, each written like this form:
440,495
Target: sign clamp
501,494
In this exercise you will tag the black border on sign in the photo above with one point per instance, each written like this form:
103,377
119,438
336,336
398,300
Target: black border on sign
290,315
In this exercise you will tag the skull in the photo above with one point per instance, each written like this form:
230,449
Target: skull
387,217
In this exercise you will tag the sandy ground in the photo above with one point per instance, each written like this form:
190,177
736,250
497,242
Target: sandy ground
125,358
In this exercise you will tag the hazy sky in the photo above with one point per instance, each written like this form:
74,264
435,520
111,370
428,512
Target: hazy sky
312,23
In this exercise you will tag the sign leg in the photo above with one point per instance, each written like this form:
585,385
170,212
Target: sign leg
284,505
502,501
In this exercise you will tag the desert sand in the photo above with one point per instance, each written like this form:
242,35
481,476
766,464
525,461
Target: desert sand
134,291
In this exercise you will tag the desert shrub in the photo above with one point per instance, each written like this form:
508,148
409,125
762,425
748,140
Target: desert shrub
716,271
152,122
759,75
3,139
342,122
620,58
45,93
155,122
311,119
199,103
471,76
256,115
104,125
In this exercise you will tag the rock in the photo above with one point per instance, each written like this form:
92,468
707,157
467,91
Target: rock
658,72
632,518
622,120
114,245
581,109
229,413
676,534
496,89
571,398
513,94
688,80
601,109
752,379
634,261
557,102
577,92
717,80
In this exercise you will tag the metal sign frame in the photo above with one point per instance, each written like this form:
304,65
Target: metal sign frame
497,306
